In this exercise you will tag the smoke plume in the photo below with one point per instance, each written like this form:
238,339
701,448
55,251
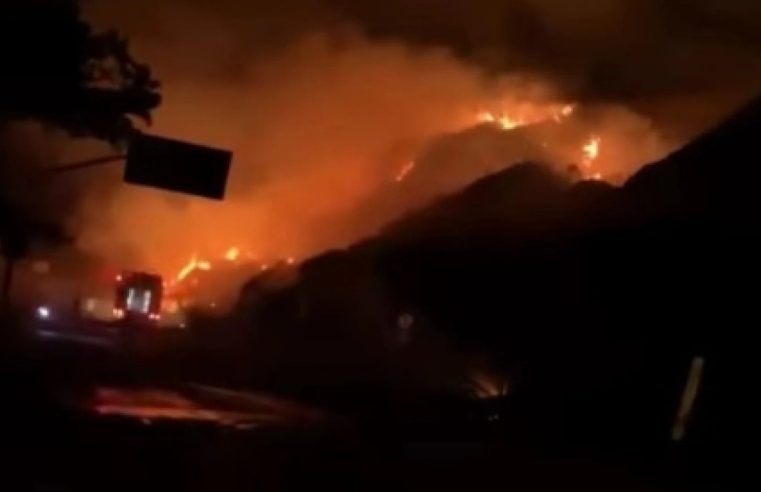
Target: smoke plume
325,103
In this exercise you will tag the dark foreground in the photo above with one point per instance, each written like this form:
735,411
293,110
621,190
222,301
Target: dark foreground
79,418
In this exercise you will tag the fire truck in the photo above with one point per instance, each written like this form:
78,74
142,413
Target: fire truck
138,297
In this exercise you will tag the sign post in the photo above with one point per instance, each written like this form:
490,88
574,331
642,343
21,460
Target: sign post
174,165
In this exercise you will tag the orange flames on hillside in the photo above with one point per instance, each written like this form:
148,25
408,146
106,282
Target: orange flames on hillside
591,151
501,119
315,171
505,120
191,266
232,256
508,120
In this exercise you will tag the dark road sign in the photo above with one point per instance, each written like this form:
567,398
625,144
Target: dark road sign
177,166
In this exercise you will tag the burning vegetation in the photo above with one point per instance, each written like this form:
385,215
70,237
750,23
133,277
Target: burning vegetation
317,205
343,120
335,133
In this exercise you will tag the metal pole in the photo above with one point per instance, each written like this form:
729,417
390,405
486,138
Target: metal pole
74,166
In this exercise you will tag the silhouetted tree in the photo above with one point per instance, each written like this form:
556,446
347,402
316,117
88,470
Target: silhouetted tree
56,70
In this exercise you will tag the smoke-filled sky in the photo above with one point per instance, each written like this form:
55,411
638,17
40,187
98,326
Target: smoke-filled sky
637,50
325,102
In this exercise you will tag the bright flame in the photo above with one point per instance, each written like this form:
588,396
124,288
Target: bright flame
506,121
503,121
591,150
405,171
486,117
232,254
187,269
193,265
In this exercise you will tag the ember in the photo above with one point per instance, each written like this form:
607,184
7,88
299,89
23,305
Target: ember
405,171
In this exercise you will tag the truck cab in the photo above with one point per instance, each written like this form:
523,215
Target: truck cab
138,297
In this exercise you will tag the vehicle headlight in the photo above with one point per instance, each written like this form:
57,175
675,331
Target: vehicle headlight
44,312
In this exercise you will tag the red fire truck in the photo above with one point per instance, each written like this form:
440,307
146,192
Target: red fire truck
138,297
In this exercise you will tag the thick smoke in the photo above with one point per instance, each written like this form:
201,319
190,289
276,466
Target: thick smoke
684,62
315,130
325,102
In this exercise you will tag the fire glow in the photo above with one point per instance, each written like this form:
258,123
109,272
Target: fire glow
193,265
405,171
507,120
232,254
591,150
315,171
503,121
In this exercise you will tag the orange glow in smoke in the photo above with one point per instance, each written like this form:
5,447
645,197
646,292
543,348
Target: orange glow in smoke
191,266
232,254
563,112
485,115
591,150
